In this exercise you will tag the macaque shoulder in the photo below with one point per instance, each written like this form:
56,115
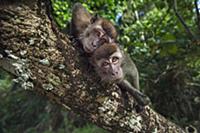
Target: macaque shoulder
129,67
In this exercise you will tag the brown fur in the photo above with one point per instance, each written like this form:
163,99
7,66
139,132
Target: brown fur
80,20
105,51
109,28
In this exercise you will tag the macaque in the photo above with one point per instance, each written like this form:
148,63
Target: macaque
113,66
91,31
98,36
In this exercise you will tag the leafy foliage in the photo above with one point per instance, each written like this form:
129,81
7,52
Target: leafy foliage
5,80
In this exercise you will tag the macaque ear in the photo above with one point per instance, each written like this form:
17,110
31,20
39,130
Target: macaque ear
94,18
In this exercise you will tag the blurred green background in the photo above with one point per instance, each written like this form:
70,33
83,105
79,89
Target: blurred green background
165,52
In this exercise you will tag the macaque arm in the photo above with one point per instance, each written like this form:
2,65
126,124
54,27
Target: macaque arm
136,80
131,71
139,96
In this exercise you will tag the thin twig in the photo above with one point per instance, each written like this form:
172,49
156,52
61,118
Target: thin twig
198,14
189,32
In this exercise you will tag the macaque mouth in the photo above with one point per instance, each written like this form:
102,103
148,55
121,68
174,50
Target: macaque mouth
88,50
115,80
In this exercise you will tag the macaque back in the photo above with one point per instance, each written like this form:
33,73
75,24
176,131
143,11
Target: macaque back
80,20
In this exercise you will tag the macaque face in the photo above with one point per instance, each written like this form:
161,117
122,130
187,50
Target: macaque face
109,69
93,37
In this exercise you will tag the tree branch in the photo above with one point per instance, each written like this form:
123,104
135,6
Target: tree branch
187,29
197,12
47,62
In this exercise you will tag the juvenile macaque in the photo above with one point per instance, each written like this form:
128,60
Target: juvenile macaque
112,65
91,31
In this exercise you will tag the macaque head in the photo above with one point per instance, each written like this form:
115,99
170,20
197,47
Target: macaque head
107,61
100,31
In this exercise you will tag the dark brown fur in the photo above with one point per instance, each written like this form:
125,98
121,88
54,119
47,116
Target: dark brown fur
80,20
105,51
109,28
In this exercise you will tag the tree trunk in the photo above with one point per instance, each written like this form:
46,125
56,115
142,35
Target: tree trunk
47,62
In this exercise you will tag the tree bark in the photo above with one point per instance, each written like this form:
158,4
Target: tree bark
47,62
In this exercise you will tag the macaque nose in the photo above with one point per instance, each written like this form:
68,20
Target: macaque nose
114,73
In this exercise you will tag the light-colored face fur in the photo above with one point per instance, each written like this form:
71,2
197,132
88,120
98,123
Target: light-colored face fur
93,37
110,69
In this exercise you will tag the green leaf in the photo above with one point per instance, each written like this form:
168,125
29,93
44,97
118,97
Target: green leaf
168,37
172,49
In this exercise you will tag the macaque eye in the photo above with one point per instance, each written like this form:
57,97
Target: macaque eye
102,41
105,64
115,59
97,32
